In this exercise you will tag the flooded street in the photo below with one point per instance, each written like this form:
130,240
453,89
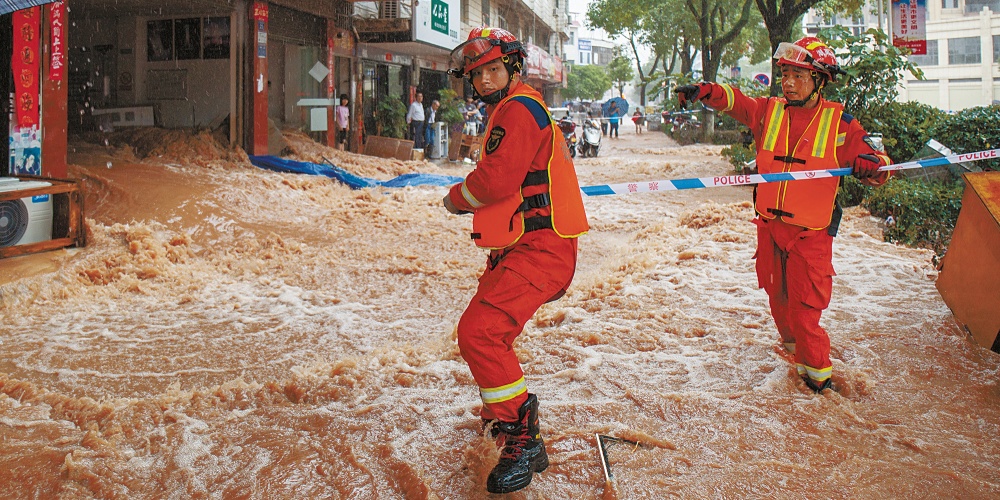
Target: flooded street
231,332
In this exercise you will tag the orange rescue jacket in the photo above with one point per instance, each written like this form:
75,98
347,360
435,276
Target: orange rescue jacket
805,203
501,224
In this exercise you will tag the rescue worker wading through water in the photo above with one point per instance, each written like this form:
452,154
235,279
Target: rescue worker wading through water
797,220
528,210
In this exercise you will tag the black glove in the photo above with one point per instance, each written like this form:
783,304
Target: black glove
866,166
692,93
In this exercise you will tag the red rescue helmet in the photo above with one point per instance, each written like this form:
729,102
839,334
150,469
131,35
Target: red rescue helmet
810,53
484,45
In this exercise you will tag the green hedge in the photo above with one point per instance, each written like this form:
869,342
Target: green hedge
924,213
970,130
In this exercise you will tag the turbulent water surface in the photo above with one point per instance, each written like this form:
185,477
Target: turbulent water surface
231,332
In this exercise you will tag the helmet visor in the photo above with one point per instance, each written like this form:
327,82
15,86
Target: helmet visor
470,52
792,53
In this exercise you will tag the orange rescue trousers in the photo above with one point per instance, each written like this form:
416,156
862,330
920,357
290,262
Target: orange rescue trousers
795,268
537,269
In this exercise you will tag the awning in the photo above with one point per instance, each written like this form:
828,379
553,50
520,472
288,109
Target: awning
8,6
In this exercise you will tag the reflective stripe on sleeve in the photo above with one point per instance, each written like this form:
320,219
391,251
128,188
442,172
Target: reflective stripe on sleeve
841,139
504,392
471,200
730,101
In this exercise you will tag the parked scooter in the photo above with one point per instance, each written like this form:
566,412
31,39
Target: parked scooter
569,133
591,142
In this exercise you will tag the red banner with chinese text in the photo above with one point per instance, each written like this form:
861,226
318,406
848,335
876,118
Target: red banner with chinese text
909,25
25,65
57,31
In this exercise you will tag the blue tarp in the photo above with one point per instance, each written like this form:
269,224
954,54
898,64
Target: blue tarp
8,6
355,182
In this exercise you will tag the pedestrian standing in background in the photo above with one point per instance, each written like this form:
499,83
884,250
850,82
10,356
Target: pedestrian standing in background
472,117
638,120
415,118
430,134
528,210
797,220
613,126
342,114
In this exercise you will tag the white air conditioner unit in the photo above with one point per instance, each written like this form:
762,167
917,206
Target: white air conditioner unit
25,220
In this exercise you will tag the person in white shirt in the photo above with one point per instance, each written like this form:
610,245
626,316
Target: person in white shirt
415,118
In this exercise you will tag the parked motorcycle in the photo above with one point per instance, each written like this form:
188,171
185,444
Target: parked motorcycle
569,133
681,120
591,142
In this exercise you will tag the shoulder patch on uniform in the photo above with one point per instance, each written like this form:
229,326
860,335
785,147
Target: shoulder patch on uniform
870,142
847,118
493,142
539,113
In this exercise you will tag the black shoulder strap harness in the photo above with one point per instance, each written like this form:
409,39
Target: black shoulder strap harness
540,200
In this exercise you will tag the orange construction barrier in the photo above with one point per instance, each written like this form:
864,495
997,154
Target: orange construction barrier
969,280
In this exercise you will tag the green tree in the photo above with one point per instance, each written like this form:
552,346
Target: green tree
631,20
719,24
586,82
620,71
783,19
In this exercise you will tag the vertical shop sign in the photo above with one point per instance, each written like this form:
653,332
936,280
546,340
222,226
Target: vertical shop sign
909,27
24,64
25,147
57,14
260,14
439,16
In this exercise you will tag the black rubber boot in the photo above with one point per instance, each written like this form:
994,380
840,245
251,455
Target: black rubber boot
523,452
819,387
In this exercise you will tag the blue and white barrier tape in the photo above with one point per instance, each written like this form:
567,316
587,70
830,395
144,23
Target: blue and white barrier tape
743,180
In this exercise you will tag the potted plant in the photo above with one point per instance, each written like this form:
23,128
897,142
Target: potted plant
390,117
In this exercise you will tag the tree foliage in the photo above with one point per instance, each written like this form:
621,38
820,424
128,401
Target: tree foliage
620,71
874,69
632,21
587,82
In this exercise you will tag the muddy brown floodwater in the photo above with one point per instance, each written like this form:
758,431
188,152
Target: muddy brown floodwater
236,333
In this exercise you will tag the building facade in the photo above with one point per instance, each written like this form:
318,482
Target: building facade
962,64
243,67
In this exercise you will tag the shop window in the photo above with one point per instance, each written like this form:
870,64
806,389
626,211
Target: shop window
964,50
976,6
216,38
189,38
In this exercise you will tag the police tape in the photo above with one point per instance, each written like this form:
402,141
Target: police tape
748,179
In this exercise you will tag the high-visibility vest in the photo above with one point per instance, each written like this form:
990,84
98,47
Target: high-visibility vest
501,224
806,203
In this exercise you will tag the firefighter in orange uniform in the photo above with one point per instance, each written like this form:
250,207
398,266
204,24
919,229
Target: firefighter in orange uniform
797,220
528,211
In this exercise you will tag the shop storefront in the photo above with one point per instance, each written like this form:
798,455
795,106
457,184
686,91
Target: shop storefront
544,72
